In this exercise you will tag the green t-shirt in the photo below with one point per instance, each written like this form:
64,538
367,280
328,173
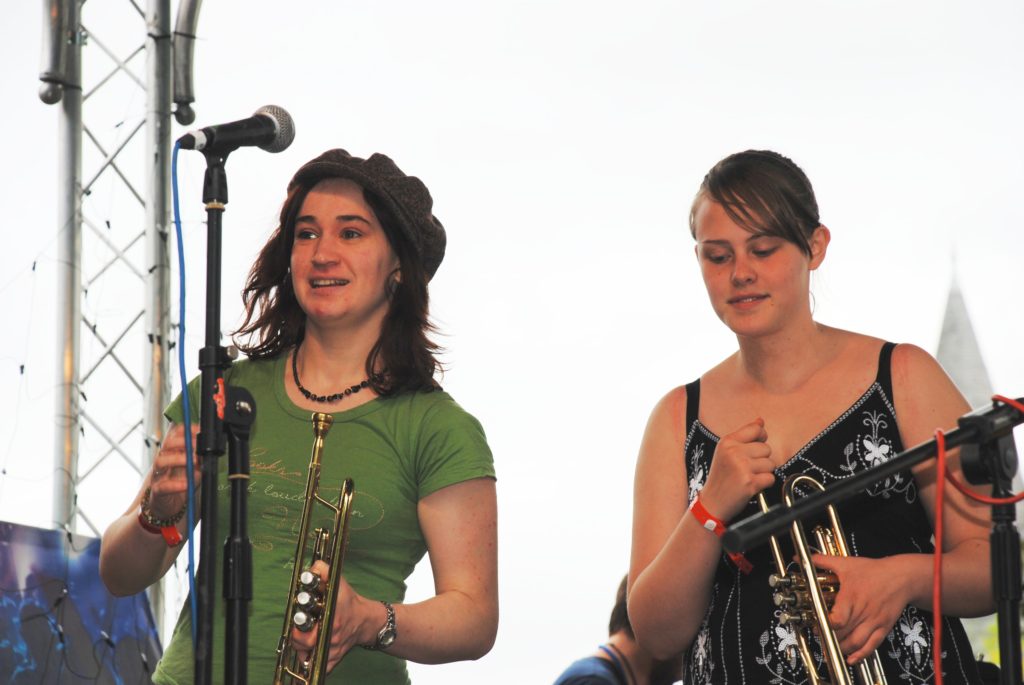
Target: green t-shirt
397,450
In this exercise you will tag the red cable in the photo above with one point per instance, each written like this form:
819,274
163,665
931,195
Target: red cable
1006,400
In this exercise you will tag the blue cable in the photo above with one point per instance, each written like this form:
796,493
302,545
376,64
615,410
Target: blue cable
187,422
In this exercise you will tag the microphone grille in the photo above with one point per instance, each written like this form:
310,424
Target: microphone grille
283,124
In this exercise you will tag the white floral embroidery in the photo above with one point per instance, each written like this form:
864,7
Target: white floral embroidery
701,664
910,646
787,644
912,638
868,451
877,452
780,655
700,653
697,478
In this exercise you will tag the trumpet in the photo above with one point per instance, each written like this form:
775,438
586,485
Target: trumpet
805,598
311,600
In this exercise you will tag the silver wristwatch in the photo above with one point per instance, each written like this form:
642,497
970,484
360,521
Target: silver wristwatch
387,635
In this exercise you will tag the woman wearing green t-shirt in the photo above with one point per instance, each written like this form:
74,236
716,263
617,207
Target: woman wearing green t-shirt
337,322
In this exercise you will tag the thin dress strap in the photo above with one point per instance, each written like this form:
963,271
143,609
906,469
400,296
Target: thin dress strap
884,377
692,404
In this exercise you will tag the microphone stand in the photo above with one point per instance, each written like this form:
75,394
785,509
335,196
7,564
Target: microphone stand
238,415
222,409
990,456
993,459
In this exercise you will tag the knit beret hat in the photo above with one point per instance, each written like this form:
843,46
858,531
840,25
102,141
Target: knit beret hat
406,197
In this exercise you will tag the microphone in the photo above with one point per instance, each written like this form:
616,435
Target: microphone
270,128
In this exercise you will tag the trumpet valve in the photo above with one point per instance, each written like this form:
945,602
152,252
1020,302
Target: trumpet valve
303,621
784,599
306,619
777,581
309,581
308,610
786,618
796,619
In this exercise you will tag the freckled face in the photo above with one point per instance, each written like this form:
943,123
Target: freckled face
341,259
756,283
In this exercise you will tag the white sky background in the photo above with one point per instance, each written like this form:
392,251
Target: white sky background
563,142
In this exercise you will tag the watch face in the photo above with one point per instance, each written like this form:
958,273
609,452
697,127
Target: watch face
386,637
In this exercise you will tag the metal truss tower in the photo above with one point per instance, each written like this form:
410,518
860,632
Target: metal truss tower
113,88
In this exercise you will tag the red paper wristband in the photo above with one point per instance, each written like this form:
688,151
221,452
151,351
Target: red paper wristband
717,526
706,518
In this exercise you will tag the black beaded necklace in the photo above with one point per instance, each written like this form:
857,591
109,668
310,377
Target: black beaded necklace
323,398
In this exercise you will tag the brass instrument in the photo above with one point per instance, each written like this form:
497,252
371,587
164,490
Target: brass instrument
310,600
805,598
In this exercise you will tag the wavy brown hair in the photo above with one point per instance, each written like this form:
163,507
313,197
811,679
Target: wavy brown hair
404,358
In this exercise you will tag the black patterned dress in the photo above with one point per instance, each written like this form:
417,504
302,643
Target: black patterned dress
740,639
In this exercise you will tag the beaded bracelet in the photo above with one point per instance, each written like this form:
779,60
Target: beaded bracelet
165,527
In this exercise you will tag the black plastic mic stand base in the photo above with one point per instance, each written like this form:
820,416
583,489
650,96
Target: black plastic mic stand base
239,414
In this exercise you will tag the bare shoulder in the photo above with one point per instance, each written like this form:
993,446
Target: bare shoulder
909,358
916,372
665,434
660,476
670,411
924,395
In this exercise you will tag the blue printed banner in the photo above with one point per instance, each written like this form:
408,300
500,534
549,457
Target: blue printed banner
58,623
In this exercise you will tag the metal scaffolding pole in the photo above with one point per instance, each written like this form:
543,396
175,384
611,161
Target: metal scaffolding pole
69,265
62,76
64,38
158,279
